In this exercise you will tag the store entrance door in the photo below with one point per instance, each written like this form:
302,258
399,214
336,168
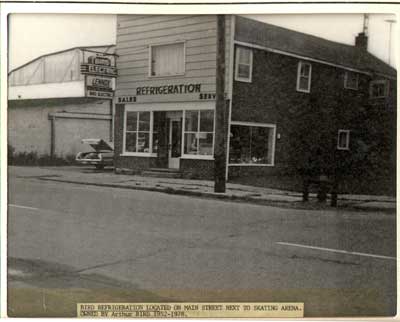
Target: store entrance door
174,142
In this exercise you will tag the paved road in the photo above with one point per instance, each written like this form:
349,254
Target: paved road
70,243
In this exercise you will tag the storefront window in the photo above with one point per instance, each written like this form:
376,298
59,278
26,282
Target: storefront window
137,136
251,144
199,132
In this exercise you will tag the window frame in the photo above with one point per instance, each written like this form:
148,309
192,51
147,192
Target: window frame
151,132
347,146
197,156
346,76
254,124
150,61
237,63
299,65
380,81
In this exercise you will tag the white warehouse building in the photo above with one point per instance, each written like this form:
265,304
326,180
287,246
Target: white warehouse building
58,99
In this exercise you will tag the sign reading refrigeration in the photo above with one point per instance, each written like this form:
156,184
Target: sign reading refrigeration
99,76
168,89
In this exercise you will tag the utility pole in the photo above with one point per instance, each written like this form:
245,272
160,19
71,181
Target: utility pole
220,110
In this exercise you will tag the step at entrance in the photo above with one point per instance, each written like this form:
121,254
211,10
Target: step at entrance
162,173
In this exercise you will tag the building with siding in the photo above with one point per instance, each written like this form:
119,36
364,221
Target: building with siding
50,109
281,85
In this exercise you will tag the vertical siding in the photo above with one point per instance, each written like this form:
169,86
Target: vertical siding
136,33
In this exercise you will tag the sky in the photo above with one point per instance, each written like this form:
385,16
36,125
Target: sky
28,40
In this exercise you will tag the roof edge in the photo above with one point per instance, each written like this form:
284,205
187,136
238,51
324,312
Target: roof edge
57,52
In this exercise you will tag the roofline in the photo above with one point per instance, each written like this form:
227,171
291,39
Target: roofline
286,53
59,52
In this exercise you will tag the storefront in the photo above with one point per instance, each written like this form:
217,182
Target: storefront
173,135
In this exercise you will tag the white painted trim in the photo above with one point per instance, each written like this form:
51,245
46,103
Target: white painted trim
241,79
281,52
127,153
67,115
230,91
254,124
170,106
166,44
197,157
299,65
138,154
347,147
183,133
346,75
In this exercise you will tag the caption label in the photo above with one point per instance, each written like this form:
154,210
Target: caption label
190,310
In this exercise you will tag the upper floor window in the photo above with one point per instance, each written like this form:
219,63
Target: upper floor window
244,64
350,80
343,140
167,60
379,88
304,77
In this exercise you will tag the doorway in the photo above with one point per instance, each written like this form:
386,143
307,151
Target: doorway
174,142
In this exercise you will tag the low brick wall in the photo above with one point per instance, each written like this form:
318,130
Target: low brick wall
136,164
197,169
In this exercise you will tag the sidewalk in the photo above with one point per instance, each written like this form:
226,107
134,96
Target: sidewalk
203,188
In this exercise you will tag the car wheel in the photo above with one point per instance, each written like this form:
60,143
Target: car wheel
99,166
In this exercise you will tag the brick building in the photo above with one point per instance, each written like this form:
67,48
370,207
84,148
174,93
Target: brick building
280,84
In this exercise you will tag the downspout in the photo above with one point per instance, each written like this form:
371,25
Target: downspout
52,135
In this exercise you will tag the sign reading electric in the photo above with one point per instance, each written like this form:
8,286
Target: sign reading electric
99,76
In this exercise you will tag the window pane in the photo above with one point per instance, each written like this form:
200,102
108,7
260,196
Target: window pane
343,140
239,151
303,83
130,142
143,142
168,59
244,71
191,121
144,121
259,145
244,56
190,143
305,70
251,145
207,121
131,121
205,143
351,80
155,142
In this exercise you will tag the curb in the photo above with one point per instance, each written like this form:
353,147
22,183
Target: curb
264,202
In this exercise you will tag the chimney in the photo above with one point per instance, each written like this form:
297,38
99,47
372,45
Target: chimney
362,41
362,38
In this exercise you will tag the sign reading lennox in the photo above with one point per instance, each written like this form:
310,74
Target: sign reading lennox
100,83
99,74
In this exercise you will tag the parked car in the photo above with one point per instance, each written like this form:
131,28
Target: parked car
103,154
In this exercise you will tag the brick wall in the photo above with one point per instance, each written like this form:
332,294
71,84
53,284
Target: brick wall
271,97
197,169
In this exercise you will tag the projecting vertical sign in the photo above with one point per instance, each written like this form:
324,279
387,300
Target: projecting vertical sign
100,73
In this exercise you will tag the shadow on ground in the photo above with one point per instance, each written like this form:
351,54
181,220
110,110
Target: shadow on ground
44,289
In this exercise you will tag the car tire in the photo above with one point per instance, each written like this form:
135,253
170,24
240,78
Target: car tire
99,166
